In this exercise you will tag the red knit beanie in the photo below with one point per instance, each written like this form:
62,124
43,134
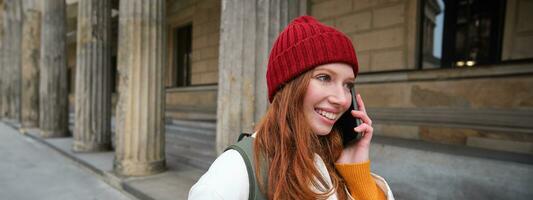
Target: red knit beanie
303,45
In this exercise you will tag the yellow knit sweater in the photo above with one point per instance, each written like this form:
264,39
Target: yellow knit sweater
359,181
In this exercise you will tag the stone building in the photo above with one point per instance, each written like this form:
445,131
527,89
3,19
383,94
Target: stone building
448,84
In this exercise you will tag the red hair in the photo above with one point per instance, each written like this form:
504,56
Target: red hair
287,144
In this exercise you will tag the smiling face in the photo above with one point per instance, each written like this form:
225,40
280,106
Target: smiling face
328,96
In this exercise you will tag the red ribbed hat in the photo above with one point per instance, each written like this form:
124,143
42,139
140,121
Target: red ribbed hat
303,45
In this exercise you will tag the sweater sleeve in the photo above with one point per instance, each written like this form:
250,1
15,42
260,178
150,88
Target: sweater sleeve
360,182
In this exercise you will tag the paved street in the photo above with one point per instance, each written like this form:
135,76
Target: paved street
30,170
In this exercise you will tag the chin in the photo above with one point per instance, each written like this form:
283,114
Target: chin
322,130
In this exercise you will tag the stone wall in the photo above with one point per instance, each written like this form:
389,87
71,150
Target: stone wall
472,93
72,23
474,107
204,15
383,32
3,98
518,31
427,108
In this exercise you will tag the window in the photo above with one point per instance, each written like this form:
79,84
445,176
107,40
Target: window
461,33
182,56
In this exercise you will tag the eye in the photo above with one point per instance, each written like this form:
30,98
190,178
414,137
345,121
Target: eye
323,77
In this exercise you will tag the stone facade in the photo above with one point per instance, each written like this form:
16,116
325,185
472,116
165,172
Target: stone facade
204,16
3,72
194,105
92,130
378,29
12,32
483,107
53,102
459,106
246,39
140,121
518,35
384,35
31,43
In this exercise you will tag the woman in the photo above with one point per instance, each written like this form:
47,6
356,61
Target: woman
298,145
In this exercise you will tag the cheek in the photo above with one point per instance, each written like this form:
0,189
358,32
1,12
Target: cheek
312,94
348,101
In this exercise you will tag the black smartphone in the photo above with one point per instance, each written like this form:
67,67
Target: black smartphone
347,122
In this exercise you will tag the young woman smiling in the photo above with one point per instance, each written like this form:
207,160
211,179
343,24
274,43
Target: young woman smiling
297,150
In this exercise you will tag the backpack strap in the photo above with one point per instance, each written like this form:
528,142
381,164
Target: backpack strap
246,149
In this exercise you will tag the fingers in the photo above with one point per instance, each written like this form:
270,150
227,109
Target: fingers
366,127
363,116
365,130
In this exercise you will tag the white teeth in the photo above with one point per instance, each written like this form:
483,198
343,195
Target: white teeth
327,114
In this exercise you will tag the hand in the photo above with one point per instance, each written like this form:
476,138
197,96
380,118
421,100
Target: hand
358,151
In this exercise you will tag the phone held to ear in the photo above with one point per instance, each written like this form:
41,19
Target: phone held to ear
355,107
348,122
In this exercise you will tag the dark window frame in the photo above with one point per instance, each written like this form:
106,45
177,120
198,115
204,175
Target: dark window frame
181,76
428,74
447,54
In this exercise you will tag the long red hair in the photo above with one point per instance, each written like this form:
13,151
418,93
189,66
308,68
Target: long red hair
286,143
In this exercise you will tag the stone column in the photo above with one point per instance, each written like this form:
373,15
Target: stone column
248,29
140,118
12,74
3,73
31,42
53,108
92,129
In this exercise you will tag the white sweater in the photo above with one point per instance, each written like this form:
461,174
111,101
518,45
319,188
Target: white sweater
227,178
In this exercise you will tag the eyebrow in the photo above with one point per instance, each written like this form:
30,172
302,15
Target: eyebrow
333,72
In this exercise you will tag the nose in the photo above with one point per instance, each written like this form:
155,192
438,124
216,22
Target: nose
339,96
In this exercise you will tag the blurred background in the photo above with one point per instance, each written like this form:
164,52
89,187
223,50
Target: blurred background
448,83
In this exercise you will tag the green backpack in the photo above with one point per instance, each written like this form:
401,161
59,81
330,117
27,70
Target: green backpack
245,147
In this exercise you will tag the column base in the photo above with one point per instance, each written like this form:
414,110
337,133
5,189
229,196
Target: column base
28,125
54,134
24,127
23,131
80,146
136,168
